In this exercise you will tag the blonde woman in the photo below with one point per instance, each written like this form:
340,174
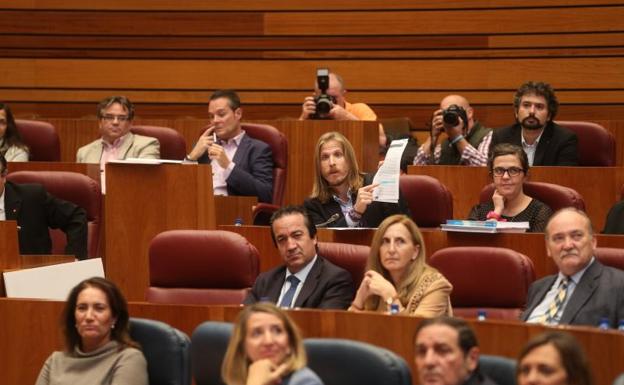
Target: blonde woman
397,274
265,349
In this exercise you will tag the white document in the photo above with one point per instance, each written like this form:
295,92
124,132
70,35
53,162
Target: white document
51,282
388,174
145,161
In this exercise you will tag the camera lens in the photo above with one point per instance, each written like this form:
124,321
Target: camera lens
451,118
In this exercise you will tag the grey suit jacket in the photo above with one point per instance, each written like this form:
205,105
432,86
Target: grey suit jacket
135,146
326,287
599,293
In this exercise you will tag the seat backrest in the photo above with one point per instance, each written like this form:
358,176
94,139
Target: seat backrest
553,195
430,201
494,279
73,187
596,145
42,140
208,345
347,362
279,147
610,256
201,267
500,369
172,143
166,350
350,257
397,127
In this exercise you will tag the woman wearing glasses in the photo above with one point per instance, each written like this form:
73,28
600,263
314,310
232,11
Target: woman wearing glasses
509,167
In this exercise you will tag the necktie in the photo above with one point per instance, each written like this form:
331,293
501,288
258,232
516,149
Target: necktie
557,304
290,293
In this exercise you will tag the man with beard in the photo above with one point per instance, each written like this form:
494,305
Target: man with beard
446,353
306,279
584,292
546,143
341,196
240,164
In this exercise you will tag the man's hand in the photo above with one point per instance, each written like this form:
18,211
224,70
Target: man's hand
216,152
339,113
203,143
364,198
308,108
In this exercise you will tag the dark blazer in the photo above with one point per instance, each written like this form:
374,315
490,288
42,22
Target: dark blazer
600,293
253,171
557,146
35,211
326,287
615,219
375,213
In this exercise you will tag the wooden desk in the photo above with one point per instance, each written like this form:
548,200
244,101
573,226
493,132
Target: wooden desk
599,186
530,244
30,332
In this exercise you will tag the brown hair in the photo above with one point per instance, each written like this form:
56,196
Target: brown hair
11,136
540,89
503,149
116,302
236,362
570,352
415,269
107,102
320,188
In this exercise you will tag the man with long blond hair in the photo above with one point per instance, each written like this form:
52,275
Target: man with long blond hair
341,195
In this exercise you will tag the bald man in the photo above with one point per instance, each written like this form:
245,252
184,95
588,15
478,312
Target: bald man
341,109
467,143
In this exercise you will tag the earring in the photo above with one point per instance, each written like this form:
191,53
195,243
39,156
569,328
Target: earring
113,326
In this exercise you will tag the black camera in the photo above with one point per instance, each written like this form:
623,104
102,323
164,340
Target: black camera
452,115
323,101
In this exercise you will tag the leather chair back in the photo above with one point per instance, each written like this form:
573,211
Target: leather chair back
279,147
553,195
430,201
166,350
73,187
172,143
42,140
201,267
208,345
596,145
350,257
610,256
494,279
500,369
347,362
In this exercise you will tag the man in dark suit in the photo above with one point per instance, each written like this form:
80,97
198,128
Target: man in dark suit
241,165
584,292
35,211
306,279
546,143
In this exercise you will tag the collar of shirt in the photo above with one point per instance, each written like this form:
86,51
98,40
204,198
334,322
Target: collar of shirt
235,141
303,273
525,145
575,278
116,144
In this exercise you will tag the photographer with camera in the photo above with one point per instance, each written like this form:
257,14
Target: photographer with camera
467,141
329,103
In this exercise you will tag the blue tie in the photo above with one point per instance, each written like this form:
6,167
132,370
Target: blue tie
288,297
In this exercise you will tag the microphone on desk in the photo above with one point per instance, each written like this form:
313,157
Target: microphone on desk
331,220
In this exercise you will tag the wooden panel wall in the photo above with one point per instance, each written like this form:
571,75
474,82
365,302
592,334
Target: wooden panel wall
59,58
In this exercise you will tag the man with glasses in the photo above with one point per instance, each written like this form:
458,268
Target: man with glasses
584,291
115,115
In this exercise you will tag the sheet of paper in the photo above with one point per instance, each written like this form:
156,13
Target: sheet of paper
388,174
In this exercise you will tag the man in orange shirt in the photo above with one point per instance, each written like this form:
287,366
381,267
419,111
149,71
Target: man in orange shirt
341,109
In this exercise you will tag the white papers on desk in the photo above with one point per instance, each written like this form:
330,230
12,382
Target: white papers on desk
388,174
467,226
51,282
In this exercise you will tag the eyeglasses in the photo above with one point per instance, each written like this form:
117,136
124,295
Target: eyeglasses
120,118
511,171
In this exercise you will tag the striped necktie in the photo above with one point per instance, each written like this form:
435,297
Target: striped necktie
557,304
